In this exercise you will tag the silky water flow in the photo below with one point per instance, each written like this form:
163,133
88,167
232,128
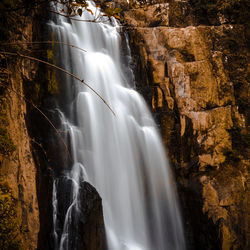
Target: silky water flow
120,154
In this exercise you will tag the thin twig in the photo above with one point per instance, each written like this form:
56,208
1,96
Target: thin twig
42,113
41,147
75,19
44,42
96,20
63,70
39,110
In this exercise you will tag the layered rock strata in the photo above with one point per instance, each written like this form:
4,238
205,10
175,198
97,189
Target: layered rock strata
196,80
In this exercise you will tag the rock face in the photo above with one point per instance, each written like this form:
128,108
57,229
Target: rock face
91,223
19,205
26,163
87,224
195,78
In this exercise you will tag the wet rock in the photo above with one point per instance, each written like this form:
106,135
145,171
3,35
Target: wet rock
194,79
18,170
91,223
82,212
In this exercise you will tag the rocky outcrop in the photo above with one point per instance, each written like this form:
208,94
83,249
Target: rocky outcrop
19,211
91,222
86,223
28,157
195,78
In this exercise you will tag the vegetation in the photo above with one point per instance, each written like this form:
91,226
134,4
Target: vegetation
7,146
77,7
53,87
235,11
8,21
8,219
12,20
10,9
12,13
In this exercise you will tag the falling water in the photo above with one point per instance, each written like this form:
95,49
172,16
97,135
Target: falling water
120,154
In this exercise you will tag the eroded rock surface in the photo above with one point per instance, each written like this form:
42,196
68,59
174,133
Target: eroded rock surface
28,149
196,80
92,222
17,168
86,221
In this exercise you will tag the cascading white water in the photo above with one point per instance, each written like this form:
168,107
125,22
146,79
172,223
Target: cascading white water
121,155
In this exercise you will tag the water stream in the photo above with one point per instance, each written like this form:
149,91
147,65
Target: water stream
121,155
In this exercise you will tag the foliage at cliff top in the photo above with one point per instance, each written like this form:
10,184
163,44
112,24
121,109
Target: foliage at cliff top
13,12
235,11
69,7
77,7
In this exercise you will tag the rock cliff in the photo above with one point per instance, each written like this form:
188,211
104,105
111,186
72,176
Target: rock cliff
19,211
191,60
28,157
193,71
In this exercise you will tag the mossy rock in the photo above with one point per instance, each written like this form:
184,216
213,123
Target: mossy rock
9,233
53,87
9,18
7,146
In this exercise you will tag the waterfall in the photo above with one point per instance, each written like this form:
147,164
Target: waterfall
120,154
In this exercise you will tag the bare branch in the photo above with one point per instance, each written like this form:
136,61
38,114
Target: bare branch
42,113
44,42
95,20
63,70
39,110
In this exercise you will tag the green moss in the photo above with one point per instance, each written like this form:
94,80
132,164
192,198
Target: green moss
37,88
9,18
7,146
53,87
3,71
50,55
9,235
